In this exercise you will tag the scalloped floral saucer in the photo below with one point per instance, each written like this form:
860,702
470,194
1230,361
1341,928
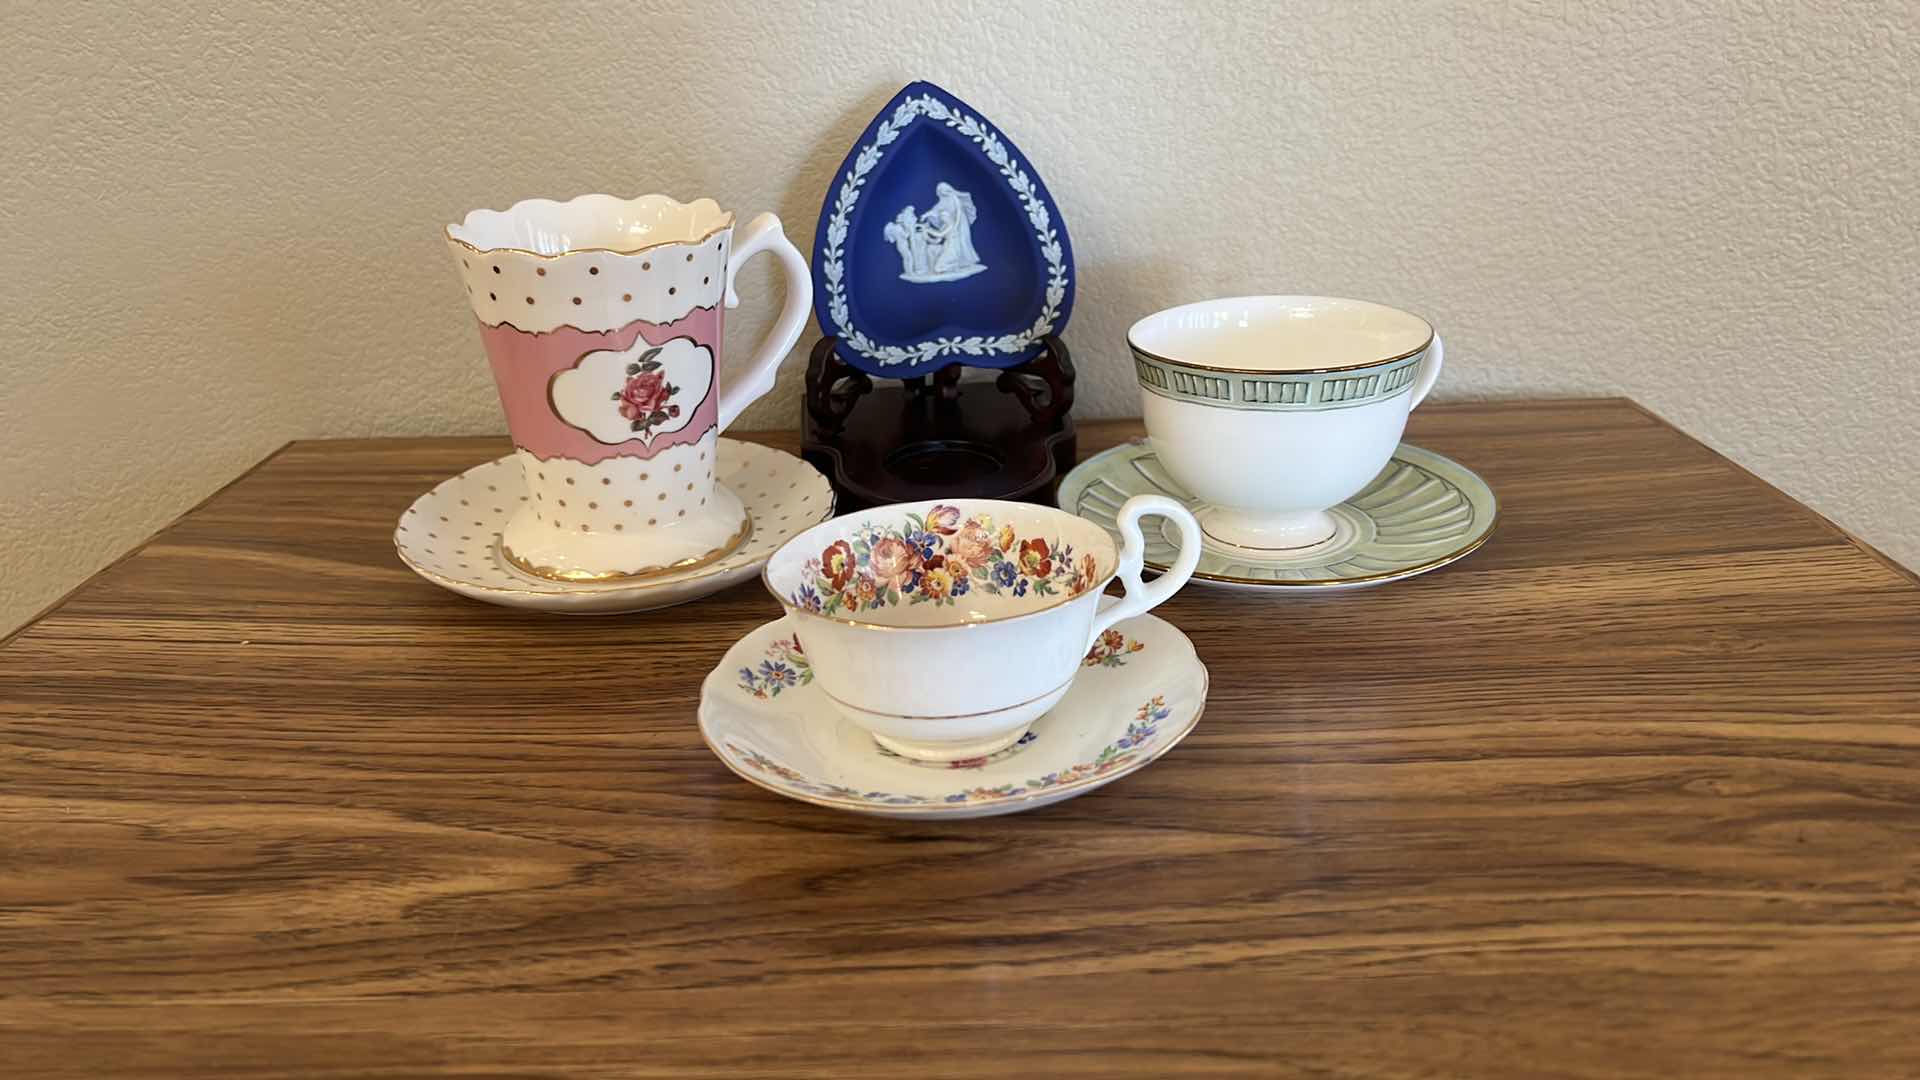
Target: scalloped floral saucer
1422,512
1140,691
451,535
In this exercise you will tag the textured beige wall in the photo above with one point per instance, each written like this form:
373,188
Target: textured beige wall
221,220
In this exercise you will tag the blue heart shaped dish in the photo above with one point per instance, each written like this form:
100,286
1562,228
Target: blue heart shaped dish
939,244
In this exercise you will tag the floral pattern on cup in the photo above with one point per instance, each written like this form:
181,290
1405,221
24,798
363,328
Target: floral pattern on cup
1140,732
937,559
645,400
1111,650
785,667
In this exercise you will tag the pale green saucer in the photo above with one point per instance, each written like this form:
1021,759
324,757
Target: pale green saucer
1422,512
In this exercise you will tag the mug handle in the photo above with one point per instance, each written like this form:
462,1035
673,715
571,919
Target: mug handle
1142,597
763,234
1429,371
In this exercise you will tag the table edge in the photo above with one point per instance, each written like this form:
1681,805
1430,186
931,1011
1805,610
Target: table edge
57,602
1912,576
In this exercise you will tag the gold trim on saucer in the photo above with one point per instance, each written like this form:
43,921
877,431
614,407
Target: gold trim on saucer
588,577
457,585
1339,583
545,594
930,810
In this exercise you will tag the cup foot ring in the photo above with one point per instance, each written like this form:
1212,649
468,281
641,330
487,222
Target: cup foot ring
1279,535
944,752
586,577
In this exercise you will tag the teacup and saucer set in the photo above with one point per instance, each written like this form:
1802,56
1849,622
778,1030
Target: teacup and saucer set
952,658
1277,421
956,660
601,319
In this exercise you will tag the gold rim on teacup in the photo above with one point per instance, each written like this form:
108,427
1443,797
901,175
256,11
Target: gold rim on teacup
1202,365
1106,567
793,610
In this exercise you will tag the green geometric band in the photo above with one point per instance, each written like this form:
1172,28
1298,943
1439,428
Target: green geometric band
1280,391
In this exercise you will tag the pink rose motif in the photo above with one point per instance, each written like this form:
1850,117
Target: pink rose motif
893,560
971,546
645,394
943,520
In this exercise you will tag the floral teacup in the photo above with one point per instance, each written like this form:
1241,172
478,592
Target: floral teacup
945,629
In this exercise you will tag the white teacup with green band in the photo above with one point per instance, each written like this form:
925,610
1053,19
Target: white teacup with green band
1271,409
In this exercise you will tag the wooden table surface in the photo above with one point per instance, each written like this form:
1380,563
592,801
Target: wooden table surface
1634,790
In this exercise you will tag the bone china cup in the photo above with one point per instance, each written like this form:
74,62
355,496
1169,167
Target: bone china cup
1272,409
946,629
601,319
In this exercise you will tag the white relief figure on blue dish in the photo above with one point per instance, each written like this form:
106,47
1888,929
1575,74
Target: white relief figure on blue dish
909,238
937,245
951,223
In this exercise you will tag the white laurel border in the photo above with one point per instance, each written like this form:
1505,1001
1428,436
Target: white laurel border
1037,216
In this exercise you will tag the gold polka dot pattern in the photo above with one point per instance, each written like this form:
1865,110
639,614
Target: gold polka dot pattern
782,494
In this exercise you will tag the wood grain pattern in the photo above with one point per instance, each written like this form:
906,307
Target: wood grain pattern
1632,791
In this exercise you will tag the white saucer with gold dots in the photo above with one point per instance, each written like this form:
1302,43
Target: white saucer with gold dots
451,536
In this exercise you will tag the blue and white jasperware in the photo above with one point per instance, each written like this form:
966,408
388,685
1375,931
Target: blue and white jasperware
939,244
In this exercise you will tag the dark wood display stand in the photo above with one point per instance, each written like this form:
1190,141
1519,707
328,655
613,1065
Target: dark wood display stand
937,437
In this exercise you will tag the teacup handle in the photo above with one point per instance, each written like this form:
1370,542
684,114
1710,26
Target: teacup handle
763,233
1142,597
1429,371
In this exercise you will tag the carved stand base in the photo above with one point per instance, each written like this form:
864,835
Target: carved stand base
939,438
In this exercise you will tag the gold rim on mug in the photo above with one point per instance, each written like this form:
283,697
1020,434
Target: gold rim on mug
941,809
585,577
726,222
1199,366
